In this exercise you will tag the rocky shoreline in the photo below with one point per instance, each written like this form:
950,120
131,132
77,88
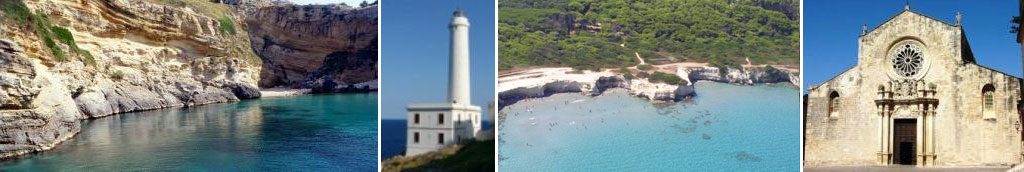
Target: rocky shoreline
656,92
128,56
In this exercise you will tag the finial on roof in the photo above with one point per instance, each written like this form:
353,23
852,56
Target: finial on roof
864,30
907,7
959,18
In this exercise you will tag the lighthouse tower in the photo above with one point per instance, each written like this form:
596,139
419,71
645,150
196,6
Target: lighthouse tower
433,126
458,85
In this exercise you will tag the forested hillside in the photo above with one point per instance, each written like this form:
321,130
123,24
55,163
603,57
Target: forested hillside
590,34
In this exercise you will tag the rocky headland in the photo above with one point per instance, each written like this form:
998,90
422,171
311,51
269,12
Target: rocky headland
65,61
544,82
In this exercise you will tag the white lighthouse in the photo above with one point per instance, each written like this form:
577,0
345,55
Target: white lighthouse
436,125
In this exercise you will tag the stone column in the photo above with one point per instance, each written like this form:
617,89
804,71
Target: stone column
888,134
881,135
931,135
920,143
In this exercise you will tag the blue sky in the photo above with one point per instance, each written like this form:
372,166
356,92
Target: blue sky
414,53
354,3
831,29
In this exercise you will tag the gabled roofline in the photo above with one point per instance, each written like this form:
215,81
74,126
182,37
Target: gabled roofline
901,13
1001,72
833,78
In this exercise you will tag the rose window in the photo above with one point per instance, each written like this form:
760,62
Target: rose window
907,60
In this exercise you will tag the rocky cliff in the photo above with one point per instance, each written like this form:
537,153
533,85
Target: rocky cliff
64,61
328,48
656,92
742,76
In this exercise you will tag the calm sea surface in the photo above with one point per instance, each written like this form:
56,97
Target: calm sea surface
393,135
392,138
725,128
335,132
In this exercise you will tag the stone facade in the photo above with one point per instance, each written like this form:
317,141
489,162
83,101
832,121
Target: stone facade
936,113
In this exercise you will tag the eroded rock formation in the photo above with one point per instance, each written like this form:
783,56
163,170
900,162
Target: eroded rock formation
745,76
124,56
328,48
131,55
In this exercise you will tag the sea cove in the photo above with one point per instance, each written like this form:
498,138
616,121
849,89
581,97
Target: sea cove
330,132
724,128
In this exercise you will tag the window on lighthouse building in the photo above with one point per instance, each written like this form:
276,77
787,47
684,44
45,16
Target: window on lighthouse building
440,138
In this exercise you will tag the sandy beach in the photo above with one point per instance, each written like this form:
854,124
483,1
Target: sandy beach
541,76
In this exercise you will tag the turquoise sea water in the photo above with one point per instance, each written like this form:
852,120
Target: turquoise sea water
336,132
725,128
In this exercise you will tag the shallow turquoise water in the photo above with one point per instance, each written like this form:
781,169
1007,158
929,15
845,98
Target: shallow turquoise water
725,128
336,132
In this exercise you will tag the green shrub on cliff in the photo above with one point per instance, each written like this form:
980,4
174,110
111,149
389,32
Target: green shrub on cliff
15,10
626,73
117,75
65,37
87,58
644,67
226,25
42,28
666,78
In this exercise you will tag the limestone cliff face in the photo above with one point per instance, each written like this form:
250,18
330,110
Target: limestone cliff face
127,55
746,76
328,48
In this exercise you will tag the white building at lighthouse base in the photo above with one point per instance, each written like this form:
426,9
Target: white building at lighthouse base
435,126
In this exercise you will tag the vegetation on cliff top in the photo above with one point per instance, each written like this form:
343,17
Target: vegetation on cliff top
15,10
226,25
18,12
600,33
475,156
204,7
667,78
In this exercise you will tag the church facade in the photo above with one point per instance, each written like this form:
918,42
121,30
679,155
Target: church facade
917,97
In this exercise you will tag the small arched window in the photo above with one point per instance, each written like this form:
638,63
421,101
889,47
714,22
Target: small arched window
833,103
988,101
